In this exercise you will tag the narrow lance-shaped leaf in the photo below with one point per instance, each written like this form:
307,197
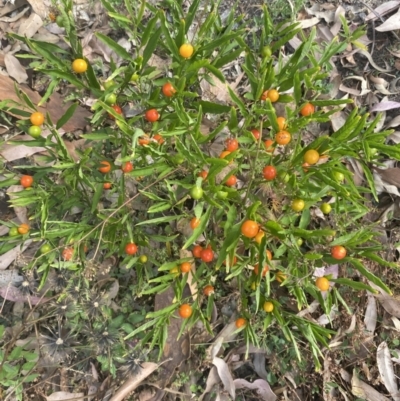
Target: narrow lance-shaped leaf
67,115
114,46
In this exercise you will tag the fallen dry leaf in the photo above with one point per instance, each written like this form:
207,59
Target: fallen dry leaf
387,180
15,69
175,350
15,17
369,57
55,106
261,386
9,257
370,315
64,395
13,294
380,84
383,9
383,106
364,390
44,35
11,6
40,7
30,26
9,277
391,24
385,366
212,379
225,375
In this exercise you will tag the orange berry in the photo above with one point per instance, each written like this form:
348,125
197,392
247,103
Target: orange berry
322,283
168,90
196,251
203,174
105,167
241,322
208,290
26,181
231,181
185,267
152,115
185,311
311,157
273,95
127,167
281,121
186,50
37,118
145,140
79,65
258,238
283,137
307,110
268,145
264,272
131,248
194,223
68,253
256,134
23,229
250,228
232,144
159,139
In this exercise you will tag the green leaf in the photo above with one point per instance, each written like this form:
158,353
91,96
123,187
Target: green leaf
191,14
165,219
208,48
67,115
49,91
96,196
205,218
159,207
368,275
141,328
237,101
333,102
151,46
213,108
354,284
93,82
370,179
149,30
221,61
169,43
114,46
119,17
96,136
65,75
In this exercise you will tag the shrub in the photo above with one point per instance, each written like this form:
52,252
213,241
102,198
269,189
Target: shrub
69,208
